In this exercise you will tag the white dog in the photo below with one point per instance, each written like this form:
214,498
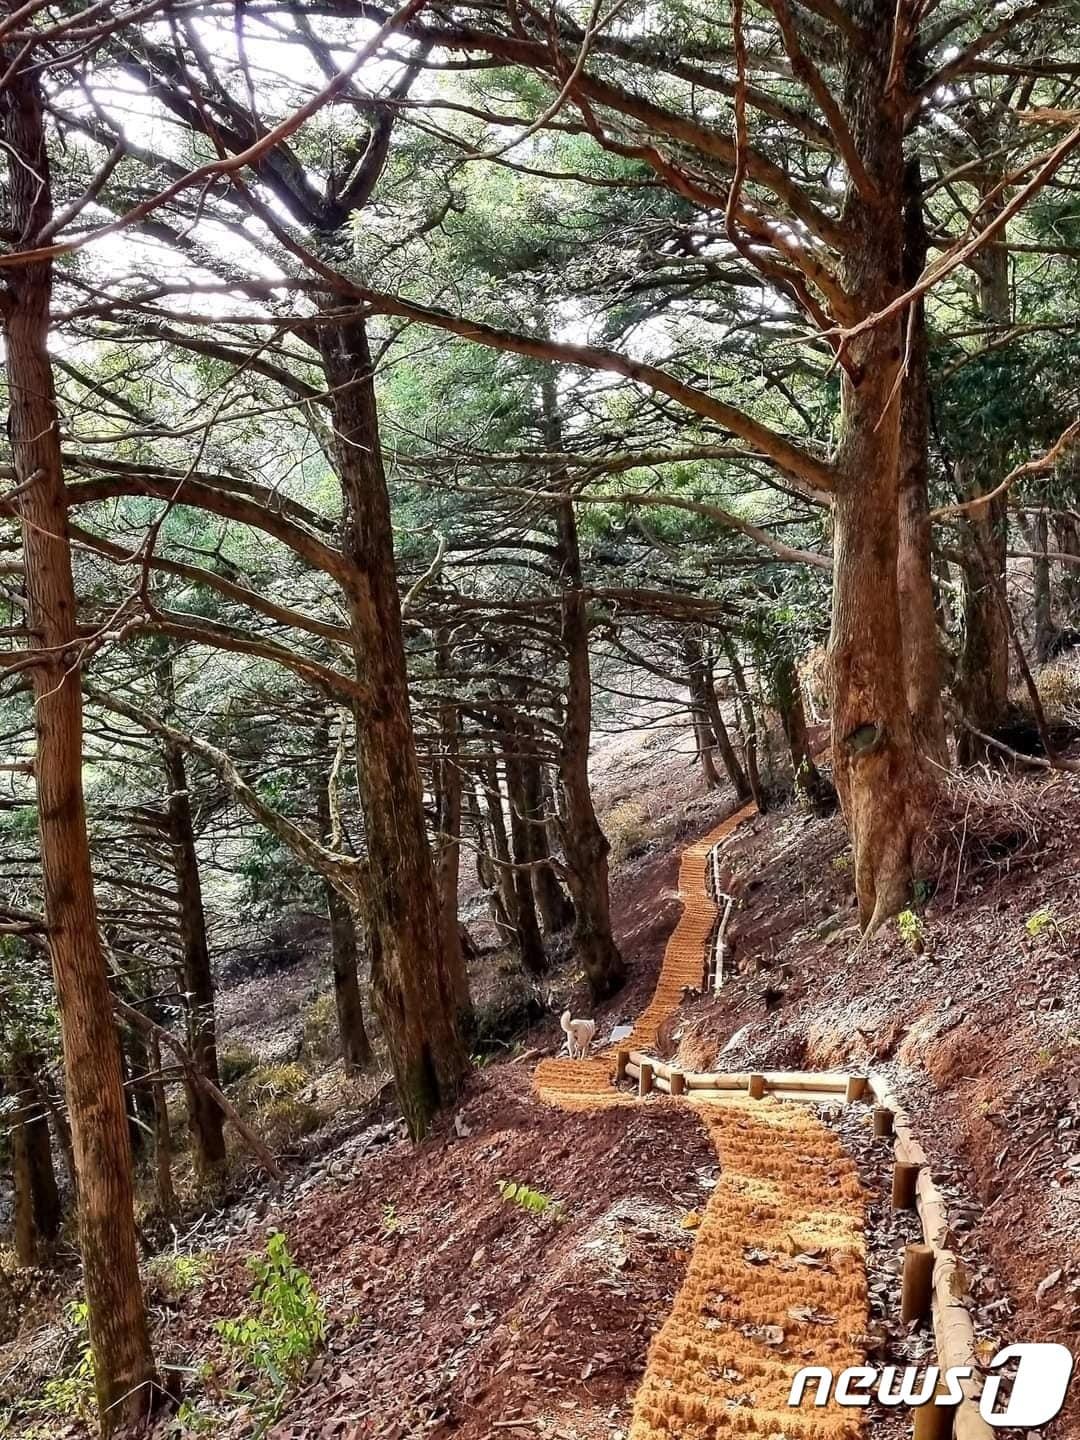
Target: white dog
579,1034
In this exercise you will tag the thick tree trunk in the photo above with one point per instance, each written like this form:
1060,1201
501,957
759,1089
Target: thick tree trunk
918,614
879,778
119,1340
344,949
415,987
585,845
205,1119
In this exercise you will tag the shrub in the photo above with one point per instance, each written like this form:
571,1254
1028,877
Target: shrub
321,1042
627,826
288,1323
267,1083
235,1063
272,1093
1058,684
176,1275
70,1394
283,1122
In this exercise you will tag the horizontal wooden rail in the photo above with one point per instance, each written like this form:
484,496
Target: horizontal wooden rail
809,1085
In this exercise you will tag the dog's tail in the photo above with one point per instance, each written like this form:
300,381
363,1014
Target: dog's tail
565,1021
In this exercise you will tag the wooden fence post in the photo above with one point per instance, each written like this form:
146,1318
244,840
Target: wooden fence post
755,1087
917,1287
645,1078
905,1176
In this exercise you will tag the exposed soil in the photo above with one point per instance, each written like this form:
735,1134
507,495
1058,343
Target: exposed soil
453,1310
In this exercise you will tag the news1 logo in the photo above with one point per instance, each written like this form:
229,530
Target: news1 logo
1040,1378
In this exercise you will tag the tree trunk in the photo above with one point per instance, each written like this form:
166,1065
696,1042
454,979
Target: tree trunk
918,615
746,705
703,734
166,1194
810,785
448,841
555,907
119,1340
982,678
344,950
1067,537
1045,629
585,845
25,1228
37,1197
530,945
878,775
415,989
736,774
502,874
206,1121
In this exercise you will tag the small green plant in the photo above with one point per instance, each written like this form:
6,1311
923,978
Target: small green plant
1045,1058
841,863
1040,921
71,1395
912,931
276,1343
391,1220
178,1275
533,1201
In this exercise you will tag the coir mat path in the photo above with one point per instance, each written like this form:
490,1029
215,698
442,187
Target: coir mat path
777,1278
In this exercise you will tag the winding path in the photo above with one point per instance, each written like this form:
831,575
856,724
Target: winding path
777,1277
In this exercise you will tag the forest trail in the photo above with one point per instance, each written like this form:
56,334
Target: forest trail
587,1084
777,1278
